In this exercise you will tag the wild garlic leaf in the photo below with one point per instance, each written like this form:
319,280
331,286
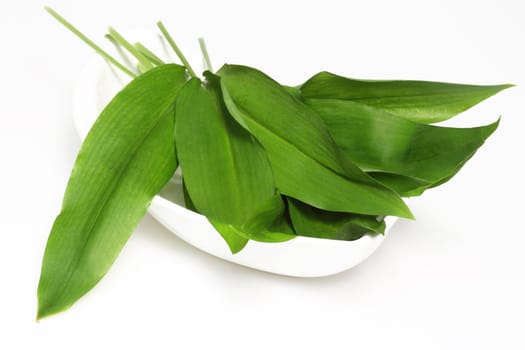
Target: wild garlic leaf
420,101
312,222
126,158
405,186
226,172
305,160
379,141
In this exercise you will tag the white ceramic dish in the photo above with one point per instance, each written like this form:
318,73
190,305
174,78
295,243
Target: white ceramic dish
301,257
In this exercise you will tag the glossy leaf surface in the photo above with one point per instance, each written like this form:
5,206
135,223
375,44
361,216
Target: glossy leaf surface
379,141
226,172
312,222
125,160
405,186
419,101
305,160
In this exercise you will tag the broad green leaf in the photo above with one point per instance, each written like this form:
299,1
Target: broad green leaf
226,172
126,158
379,141
419,101
305,160
312,222
405,186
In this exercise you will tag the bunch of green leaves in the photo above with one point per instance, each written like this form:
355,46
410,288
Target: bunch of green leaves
328,159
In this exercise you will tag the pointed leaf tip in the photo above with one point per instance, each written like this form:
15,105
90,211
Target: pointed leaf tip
420,101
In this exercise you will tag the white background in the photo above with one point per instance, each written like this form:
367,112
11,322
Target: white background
452,279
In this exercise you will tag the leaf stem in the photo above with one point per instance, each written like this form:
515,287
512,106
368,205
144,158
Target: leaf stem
175,48
143,61
123,54
149,55
207,61
85,39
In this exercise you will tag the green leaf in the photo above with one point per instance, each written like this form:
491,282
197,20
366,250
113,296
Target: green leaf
270,225
188,203
379,141
125,160
312,222
305,160
419,101
235,238
405,186
226,172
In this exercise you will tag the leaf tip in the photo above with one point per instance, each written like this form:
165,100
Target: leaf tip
43,311
406,214
50,308
236,249
402,210
48,303
494,89
491,128
410,216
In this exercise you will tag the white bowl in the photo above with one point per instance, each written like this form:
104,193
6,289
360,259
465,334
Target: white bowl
301,257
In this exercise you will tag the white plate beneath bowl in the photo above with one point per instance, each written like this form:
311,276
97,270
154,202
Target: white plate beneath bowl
301,257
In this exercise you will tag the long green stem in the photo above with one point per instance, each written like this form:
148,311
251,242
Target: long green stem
85,39
207,61
176,48
143,61
149,55
122,53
